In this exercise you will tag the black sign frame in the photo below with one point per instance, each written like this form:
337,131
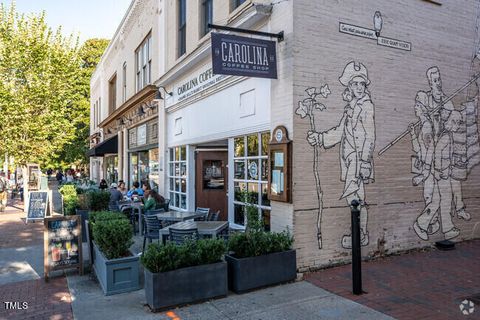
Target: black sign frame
242,56
48,242
32,210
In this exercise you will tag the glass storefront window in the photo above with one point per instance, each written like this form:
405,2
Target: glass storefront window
144,167
251,174
111,169
213,174
177,177
133,168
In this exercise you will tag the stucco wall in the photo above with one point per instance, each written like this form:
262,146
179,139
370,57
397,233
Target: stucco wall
443,36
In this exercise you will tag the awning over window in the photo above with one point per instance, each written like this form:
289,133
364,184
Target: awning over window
107,146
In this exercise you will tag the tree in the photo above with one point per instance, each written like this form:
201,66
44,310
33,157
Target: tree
44,91
75,150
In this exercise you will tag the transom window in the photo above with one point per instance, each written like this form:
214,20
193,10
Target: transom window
251,174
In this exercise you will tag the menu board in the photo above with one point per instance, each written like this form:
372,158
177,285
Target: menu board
62,243
37,205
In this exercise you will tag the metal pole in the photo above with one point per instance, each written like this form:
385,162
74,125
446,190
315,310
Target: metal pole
356,251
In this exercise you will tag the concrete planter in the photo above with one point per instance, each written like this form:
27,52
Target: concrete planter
186,285
254,272
116,275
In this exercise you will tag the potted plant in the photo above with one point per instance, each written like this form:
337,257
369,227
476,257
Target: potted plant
116,268
70,198
98,200
180,274
257,258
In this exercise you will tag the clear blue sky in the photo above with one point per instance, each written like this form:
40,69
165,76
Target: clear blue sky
87,18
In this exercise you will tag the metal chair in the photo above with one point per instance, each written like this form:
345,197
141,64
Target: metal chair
152,227
166,205
128,211
205,212
214,216
179,236
151,213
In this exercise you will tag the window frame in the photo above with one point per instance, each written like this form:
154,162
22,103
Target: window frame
262,159
181,28
112,93
172,177
206,10
124,82
236,3
143,63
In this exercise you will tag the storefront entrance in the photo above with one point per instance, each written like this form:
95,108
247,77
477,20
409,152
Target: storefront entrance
211,183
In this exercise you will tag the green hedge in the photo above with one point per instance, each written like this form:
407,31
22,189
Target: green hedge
163,258
105,215
70,198
252,244
113,236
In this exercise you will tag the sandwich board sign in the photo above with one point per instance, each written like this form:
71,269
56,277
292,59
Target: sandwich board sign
37,205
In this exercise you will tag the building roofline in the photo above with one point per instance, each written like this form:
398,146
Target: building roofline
114,37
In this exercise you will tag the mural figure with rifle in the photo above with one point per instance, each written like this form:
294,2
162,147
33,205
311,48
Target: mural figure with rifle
446,147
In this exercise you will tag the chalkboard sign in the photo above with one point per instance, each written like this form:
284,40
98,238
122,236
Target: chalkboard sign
63,243
37,205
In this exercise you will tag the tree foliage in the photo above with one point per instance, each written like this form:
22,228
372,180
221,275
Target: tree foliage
44,91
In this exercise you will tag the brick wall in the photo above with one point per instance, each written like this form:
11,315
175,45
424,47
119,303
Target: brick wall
443,36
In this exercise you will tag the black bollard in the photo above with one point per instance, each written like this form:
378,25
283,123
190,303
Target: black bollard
356,250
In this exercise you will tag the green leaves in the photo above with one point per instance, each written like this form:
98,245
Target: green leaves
163,258
113,237
252,244
44,91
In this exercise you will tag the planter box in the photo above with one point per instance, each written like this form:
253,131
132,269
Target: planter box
116,275
186,285
255,272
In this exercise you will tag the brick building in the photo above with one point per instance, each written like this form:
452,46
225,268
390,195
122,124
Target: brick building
351,79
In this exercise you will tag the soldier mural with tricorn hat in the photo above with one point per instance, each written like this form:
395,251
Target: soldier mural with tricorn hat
355,133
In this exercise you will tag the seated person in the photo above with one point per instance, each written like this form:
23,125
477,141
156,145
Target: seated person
136,188
154,200
122,188
115,194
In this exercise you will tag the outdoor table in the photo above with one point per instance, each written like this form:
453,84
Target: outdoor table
178,216
205,228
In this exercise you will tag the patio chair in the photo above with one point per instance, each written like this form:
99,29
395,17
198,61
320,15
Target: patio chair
128,211
214,216
166,205
151,213
152,227
179,236
205,212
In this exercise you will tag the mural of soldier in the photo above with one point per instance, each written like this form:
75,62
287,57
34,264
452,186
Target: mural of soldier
356,135
441,144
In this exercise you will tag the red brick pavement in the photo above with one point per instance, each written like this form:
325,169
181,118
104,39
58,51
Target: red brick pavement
50,300
45,300
417,285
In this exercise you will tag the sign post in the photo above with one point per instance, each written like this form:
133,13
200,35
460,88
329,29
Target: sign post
62,244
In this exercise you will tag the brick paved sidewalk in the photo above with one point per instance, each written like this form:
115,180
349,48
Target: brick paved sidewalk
417,285
50,300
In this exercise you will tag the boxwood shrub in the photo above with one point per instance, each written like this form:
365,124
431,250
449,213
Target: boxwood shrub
163,258
113,237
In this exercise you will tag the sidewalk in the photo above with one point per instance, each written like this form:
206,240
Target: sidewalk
21,271
417,285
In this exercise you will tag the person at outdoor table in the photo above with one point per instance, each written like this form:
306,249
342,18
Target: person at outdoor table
136,188
115,195
103,185
122,188
146,187
154,200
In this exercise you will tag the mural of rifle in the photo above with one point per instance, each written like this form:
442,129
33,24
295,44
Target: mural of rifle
397,139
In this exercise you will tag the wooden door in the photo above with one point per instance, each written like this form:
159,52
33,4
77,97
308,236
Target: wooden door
211,184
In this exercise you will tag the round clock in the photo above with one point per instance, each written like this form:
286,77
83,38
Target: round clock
278,135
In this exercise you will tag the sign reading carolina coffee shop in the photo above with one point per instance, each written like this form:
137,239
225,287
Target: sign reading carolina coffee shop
241,56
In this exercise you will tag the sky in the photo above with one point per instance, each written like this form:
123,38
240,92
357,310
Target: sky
86,18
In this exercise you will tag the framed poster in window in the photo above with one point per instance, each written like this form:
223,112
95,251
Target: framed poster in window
279,157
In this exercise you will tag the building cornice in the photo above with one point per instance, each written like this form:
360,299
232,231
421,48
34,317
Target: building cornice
147,93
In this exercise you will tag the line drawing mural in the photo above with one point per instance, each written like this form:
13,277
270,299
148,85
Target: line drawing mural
356,135
374,34
446,149
306,107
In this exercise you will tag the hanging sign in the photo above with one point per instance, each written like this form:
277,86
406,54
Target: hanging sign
241,56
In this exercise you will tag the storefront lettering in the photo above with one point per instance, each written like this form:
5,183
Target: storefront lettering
236,53
194,85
